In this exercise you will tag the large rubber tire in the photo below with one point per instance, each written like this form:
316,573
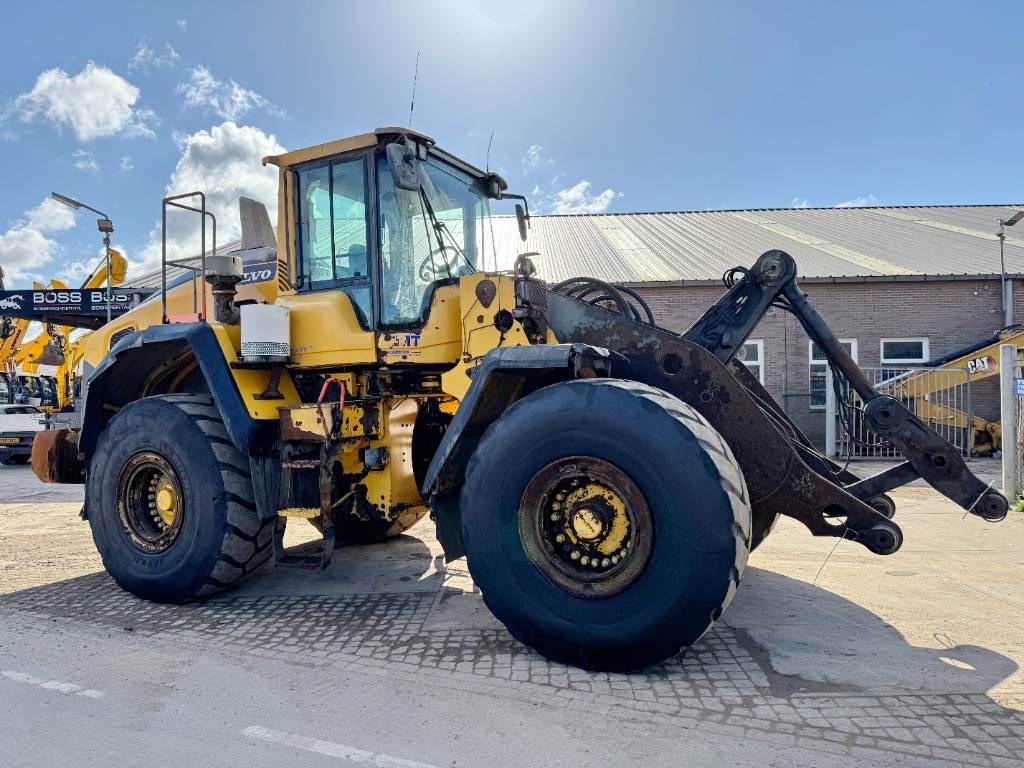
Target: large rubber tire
222,541
692,486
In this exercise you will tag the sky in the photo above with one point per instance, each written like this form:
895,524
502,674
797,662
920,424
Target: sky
593,106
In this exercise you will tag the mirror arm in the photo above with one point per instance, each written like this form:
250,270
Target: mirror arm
526,204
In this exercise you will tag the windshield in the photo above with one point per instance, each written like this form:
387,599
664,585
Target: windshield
436,233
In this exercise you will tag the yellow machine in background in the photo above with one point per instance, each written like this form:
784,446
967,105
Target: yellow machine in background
605,478
54,345
979,361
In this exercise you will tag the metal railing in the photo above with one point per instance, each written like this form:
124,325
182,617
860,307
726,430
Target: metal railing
941,397
200,271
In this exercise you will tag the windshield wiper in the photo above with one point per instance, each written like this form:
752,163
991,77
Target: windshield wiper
439,227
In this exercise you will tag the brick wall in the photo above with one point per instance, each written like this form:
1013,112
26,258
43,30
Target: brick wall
952,314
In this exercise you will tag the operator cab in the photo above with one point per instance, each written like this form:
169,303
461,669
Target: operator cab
354,223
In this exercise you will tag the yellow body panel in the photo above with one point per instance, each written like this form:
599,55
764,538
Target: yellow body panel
325,331
479,334
439,341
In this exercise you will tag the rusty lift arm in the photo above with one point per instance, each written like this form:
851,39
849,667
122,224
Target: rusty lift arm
772,281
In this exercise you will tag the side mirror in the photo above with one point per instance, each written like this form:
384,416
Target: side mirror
523,220
405,170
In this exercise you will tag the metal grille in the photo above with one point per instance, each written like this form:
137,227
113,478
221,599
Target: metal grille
941,397
124,332
265,349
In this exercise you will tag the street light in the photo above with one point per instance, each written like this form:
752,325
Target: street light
105,225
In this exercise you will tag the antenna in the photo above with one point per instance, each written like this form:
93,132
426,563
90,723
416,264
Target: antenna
488,159
412,99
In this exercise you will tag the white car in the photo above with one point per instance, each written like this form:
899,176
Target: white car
18,427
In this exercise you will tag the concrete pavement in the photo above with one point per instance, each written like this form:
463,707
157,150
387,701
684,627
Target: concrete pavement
841,659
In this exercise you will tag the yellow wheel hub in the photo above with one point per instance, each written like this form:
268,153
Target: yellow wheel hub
598,517
167,504
586,526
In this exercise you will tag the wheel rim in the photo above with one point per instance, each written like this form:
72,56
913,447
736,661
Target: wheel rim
149,502
586,526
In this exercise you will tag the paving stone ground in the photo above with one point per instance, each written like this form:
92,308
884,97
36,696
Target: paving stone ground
806,677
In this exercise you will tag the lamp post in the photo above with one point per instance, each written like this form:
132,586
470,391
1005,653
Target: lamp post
1001,234
104,224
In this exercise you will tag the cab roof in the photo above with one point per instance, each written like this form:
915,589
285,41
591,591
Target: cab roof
380,136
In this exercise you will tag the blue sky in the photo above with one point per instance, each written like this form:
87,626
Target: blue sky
594,105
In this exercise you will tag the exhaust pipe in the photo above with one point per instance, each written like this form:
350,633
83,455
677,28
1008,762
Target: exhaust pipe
224,273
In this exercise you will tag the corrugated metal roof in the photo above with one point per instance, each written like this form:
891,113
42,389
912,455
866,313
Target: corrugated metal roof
870,242
826,242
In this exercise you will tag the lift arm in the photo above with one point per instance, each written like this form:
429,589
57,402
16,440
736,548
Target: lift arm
772,281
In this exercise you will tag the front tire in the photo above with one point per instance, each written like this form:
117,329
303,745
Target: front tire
170,502
580,465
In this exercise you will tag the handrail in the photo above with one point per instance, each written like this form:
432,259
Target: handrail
171,201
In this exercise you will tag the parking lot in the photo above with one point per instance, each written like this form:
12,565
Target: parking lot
389,658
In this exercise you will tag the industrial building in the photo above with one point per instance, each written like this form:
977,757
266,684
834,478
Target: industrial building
899,285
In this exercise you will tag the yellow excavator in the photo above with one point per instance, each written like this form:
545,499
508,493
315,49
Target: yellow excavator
19,376
975,362
54,346
363,368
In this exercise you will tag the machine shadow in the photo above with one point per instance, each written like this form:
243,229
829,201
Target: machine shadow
809,639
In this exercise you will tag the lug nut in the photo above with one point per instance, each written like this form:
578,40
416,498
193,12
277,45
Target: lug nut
584,560
560,538
574,555
605,563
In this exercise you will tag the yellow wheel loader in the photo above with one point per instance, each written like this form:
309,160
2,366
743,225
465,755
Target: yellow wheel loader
370,365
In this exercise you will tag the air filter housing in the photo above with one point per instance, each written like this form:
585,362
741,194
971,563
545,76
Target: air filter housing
266,333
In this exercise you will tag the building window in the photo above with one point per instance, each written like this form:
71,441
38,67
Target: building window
818,371
905,350
751,354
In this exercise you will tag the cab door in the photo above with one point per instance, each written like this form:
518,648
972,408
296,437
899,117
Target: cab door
332,309
429,240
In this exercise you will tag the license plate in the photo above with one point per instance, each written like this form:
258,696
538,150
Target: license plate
10,440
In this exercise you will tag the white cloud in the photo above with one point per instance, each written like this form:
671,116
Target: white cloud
859,202
84,161
224,163
578,199
75,273
797,202
226,99
534,157
50,216
145,58
183,23
94,103
126,163
25,248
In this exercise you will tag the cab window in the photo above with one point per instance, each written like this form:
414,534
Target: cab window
333,231
425,236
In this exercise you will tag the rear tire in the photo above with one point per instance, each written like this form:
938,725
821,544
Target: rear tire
203,535
692,495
